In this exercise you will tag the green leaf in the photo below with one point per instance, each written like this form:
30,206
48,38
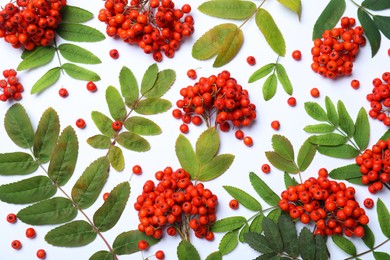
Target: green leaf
186,251
315,111
46,135
293,5
133,142
64,157
48,79
207,145
164,82
109,213
80,73
383,217
228,224
230,47
75,14
306,155
129,86
152,106
244,198
331,112
376,5
116,158
386,135
319,128
142,126
18,126
115,103
256,224
228,242
272,235
262,72
382,22
370,30
263,190
99,142
269,87
269,256
283,78
27,191
126,243
289,181
103,123
271,32
17,163
274,215
321,249
74,234
228,9
344,151
79,33
37,58
283,147
369,237
307,244
381,255
186,155
289,235
78,54
102,255
347,172
362,129
149,78
346,122
88,187
243,231
214,256
57,210
344,244
331,139
328,18
257,242
215,168
281,163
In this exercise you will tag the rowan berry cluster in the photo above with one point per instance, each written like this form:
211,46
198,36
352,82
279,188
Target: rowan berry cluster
30,23
375,166
331,205
380,99
156,26
10,86
176,204
335,52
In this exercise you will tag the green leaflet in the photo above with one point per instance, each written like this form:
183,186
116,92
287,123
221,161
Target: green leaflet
57,210
229,48
78,54
164,82
17,163
18,126
79,33
88,187
186,251
329,17
344,244
129,86
228,224
152,106
228,9
127,242
382,22
289,181
383,217
102,255
306,155
262,72
369,237
38,57
345,121
376,5
319,128
243,231
207,145
109,213
133,142
186,156
331,139
149,78
269,87
362,129
281,163
293,5
48,79
75,14
283,147
103,123
74,234
321,249
307,244
344,151
215,168
99,142
263,190
244,198
331,112
28,190
256,224
315,111
283,78
289,235
214,256
370,30
117,160
80,73
228,242
142,126
271,32
257,242
386,135
272,234
115,103
381,255
274,215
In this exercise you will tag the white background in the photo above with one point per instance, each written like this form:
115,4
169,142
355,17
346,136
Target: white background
80,103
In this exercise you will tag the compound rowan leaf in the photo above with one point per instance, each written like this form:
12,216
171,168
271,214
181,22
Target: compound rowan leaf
17,163
115,103
78,54
186,251
383,217
79,33
228,9
37,58
18,126
48,79
263,190
142,126
99,142
283,78
293,5
152,106
127,242
228,242
362,129
244,198
370,30
315,111
229,48
129,86
207,145
262,72
80,73
345,121
75,14
376,5
228,224
163,83
133,142
269,87
103,123
328,18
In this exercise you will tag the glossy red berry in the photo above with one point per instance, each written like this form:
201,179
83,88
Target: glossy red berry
30,233
314,92
265,168
137,169
11,218
291,101
91,86
41,254
114,54
248,141
16,244
63,92
369,203
275,125
143,244
80,123
117,125
239,134
192,74
233,204
297,55
184,128
160,254
251,60
105,195
355,84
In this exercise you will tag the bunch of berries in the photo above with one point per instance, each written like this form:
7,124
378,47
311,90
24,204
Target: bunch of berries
219,95
30,23
10,86
380,99
177,204
334,54
156,26
331,205
375,166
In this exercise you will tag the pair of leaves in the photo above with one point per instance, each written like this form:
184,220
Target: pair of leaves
203,163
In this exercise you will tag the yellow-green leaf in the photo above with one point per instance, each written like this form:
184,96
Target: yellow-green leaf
186,156
244,198
152,106
228,9
283,78
305,155
269,87
79,33
207,145
215,168
281,163
283,147
103,123
38,57
18,126
149,78
133,142
319,128
117,160
80,73
228,242
78,54
328,18
99,141
129,86
293,5
142,126
186,251
229,48
48,79
163,83
262,72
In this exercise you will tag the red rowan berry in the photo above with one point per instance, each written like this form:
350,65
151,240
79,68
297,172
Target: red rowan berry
314,92
105,195
248,141
11,218
184,128
91,86
143,244
117,125
251,60
80,123
41,254
291,101
16,244
191,74
355,84
114,54
63,92
137,169
275,125
239,134
233,204
297,55
265,168
30,233
160,254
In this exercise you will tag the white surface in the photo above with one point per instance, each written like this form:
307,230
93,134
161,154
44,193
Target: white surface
80,103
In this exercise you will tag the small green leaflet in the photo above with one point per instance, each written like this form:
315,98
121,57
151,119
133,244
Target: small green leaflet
149,78
349,172
376,5
262,72
228,224
315,111
117,160
331,139
306,155
319,129
382,22
102,255
289,181
99,142
79,33
133,142
283,78
103,123
257,242
75,14
164,82
381,255
207,145
345,121
283,147
289,235
47,80
344,244
370,30
383,217
37,58
243,198
269,87
80,73
215,168
228,242
129,86
307,244
331,112
78,54
115,103
186,251
152,106
321,249
142,126
293,5
256,224
214,256
229,48
17,163
369,237
272,234
263,190
281,163
228,9
18,126
243,231
344,151
328,18
186,156
127,242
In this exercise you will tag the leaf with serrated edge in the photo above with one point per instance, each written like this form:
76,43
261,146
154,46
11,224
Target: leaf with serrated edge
80,73
207,145
383,217
127,242
18,126
17,163
283,78
271,32
228,9
369,237
281,163
152,106
214,256
289,235
331,112
228,242
269,87
117,160
328,18
149,78
306,155
344,151
307,244
64,157
293,5
133,142
186,251
37,58
102,255
243,231
382,22
129,86
88,187
244,198
344,244
321,249
346,172
228,224
346,122
74,234
164,82
257,242
115,103
99,141
109,213
78,54
75,14
381,255
283,147
331,139
142,126
371,31
319,129
289,181
229,48
79,33
57,210
263,190
262,72
376,5
315,111
48,79
186,156
256,224
272,234
215,168
362,129
103,123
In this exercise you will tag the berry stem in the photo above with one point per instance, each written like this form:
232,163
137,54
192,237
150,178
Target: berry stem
368,251
257,9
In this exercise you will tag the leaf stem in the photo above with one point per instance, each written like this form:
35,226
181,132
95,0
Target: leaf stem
260,212
359,6
58,56
257,9
349,138
368,251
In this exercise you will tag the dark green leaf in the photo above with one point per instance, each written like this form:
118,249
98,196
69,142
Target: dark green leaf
18,126
142,126
344,244
207,145
256,224
243,231
115,103
370,30
293,5
257,242
228,224
77,54
331,139
346,122
215,168
79,33
74,234
214,256
382,22
319,128
57,210
347,172
152,106
37,58
17,163
48,79
362,129
269,87
186,155
228,242
262,72
386,135
228,9
117,160
306,155
331,112
164,82
381,255
383,217
281,163
75,14
102,255
344,151
129,86
369,237
109,213
186,251
230,47
133,142
149,78
376,5
289,235
127,242
64,157
103,123
244,198
283,147
269,256
321,249
272,235
329,17
315,111
99,141
80,73
307,244
289,181
263,190
283,78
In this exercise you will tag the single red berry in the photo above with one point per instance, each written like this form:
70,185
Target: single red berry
186,8
251,60
275,125
233,204
192,74
239,134
248,141
11,218
160,254
265,168
105,195
297,55
184,128
80,123
63,92
196,120
143,244
41,254
314,92
16,244
291,101
369,203
30,233
388,52
137,169
355,84
117,125
114,53
91,86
